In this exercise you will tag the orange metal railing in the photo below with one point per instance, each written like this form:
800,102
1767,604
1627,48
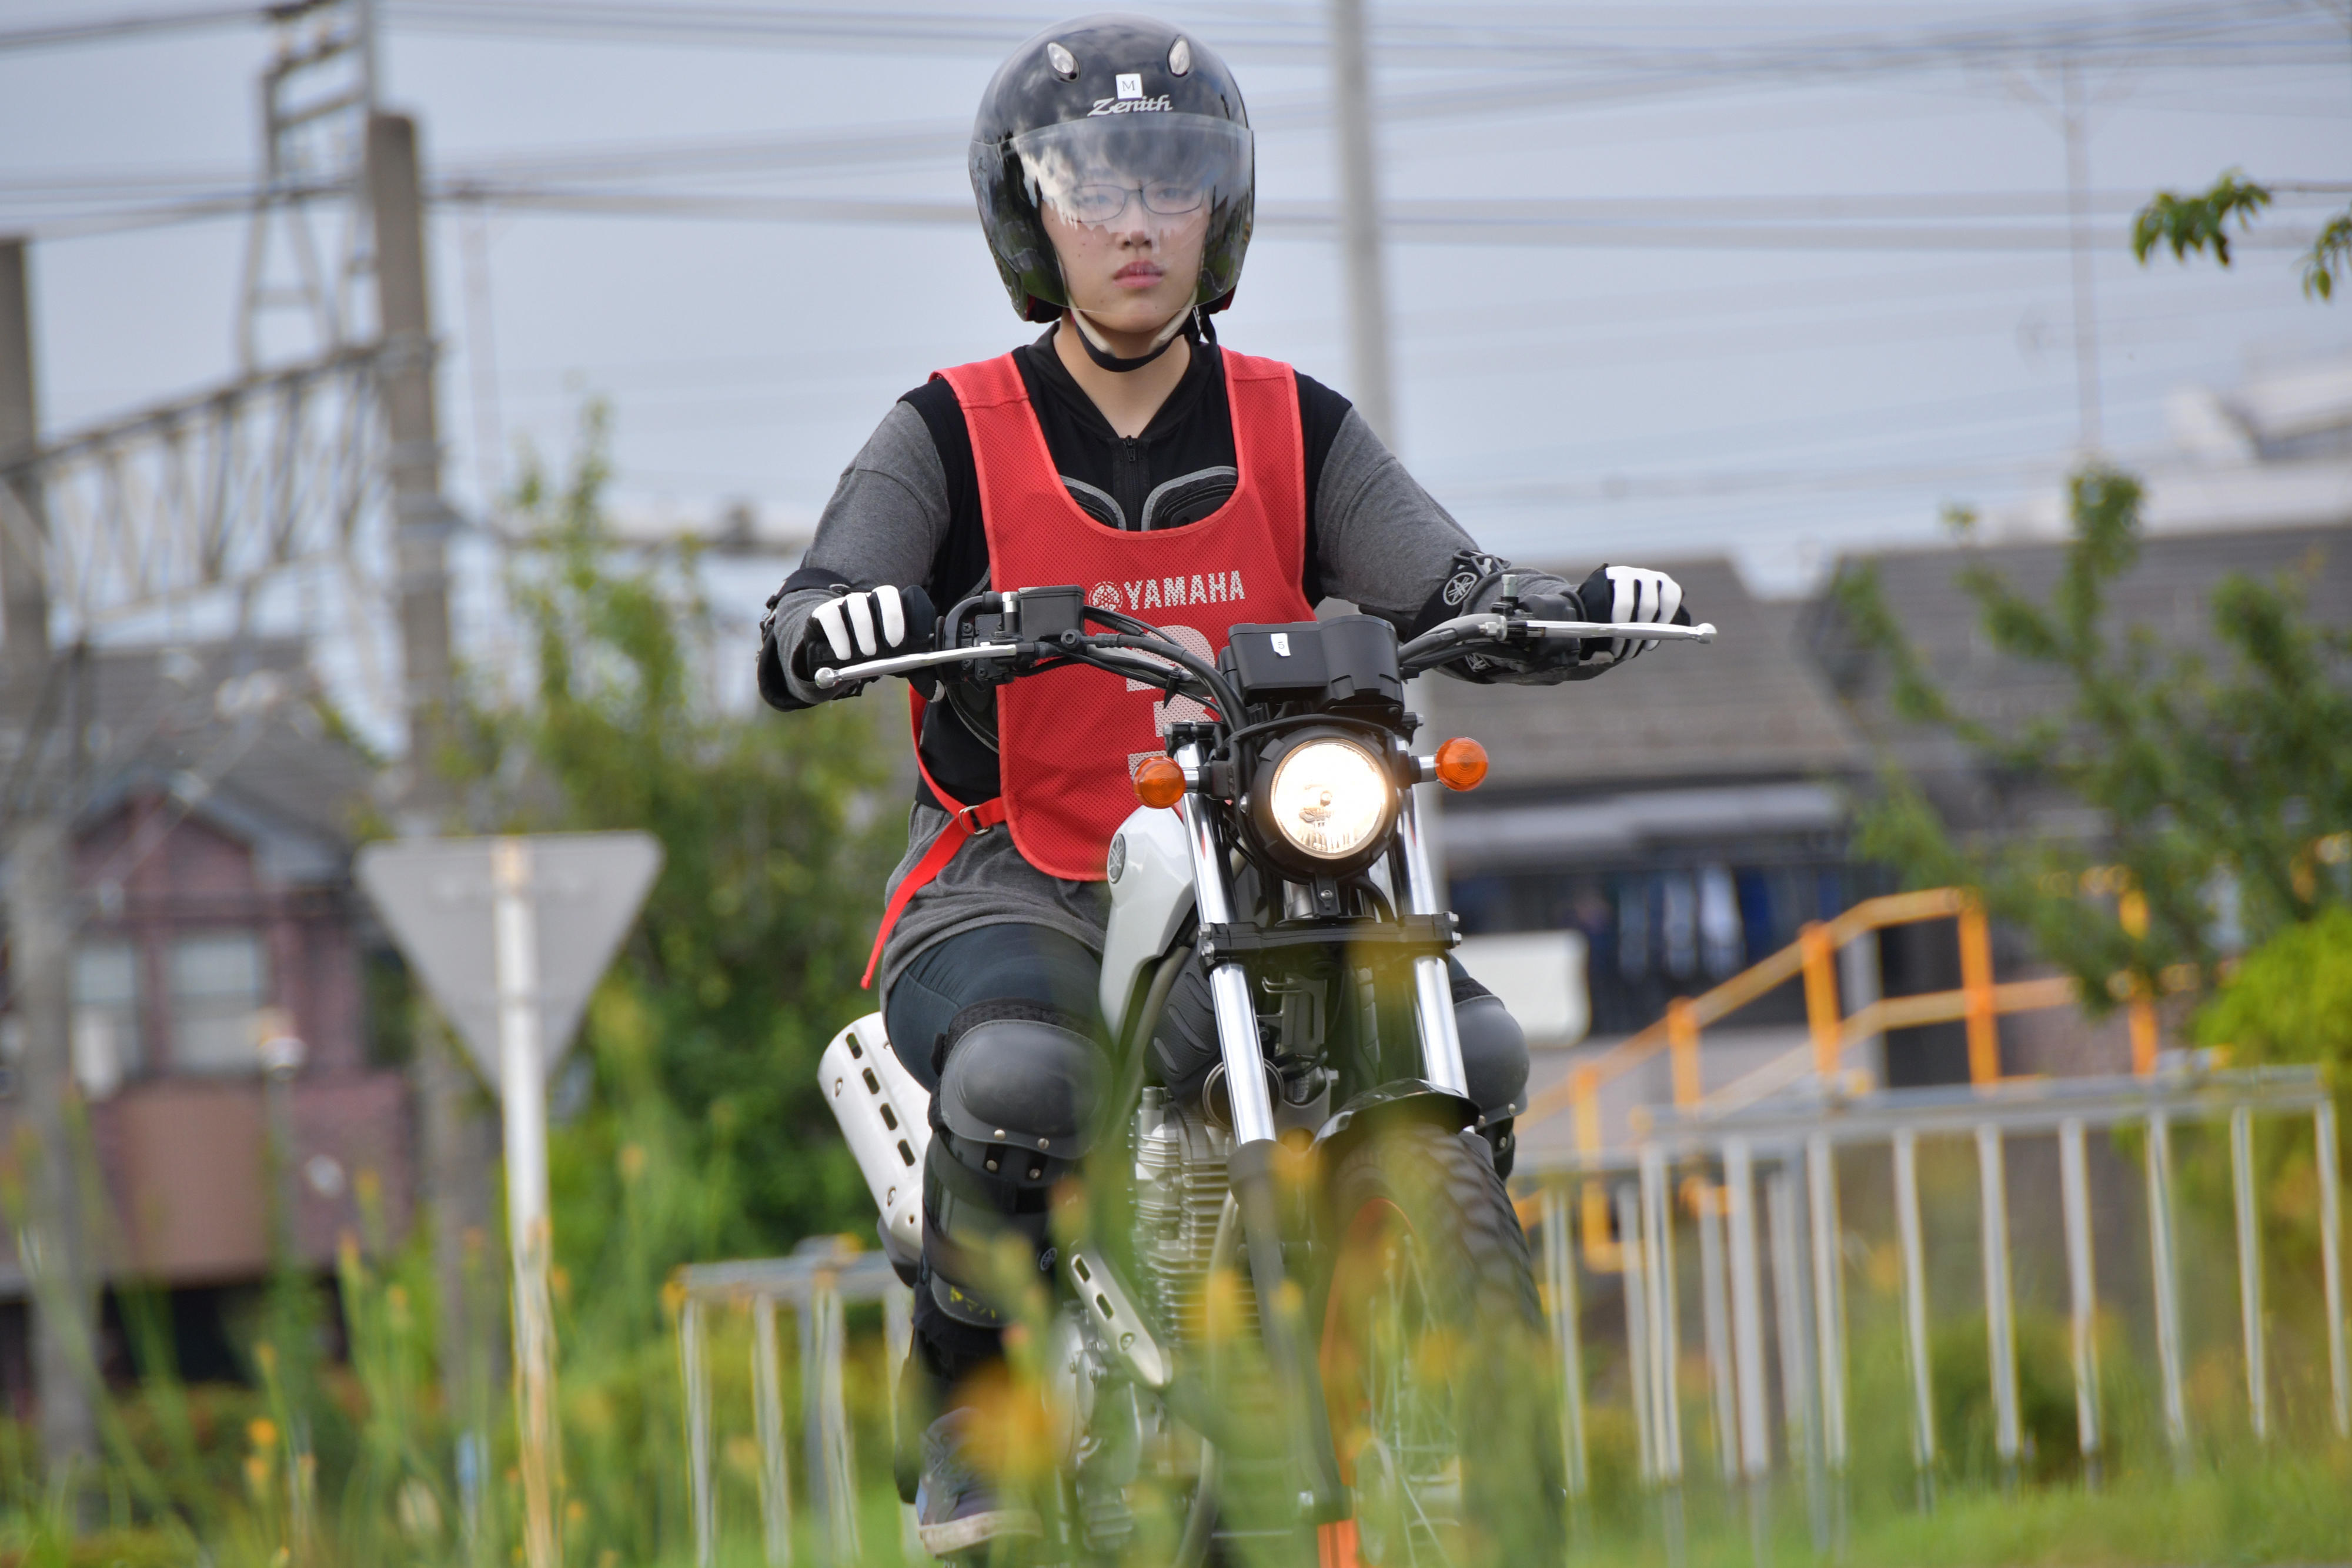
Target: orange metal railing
1981,1002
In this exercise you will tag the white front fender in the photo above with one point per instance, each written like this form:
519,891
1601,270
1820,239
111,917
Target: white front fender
1151,870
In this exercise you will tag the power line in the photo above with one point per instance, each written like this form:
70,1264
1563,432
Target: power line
1936,417
1520,39
106,29
1650,224
1432,351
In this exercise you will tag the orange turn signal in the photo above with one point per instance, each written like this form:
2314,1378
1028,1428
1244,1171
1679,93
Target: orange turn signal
1462,763
1160,783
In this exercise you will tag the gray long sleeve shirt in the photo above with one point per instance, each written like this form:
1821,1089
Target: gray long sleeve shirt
905,512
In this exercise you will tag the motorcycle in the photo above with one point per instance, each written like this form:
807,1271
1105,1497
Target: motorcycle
1297,1306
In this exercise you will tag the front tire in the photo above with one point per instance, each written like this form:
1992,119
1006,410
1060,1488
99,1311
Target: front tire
1436,1370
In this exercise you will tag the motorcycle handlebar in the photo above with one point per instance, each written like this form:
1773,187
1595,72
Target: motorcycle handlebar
1448,636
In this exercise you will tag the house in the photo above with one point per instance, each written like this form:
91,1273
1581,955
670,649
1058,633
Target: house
2166,592
211,849
1688,814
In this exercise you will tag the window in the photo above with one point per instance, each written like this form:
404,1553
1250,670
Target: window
217,986
108,1044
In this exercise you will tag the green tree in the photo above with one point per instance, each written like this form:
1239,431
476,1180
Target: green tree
2199,223
2291,1000
2220,775
747,958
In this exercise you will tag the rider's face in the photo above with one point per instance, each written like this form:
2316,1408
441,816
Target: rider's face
1134,273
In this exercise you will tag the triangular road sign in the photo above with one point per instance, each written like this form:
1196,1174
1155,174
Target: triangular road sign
436,894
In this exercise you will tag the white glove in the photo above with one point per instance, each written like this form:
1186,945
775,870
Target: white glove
868,625
872,623
1628,595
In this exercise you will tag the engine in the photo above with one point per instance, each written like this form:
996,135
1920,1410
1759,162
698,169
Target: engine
1179,1192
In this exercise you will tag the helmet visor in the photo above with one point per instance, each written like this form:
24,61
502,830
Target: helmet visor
1153,169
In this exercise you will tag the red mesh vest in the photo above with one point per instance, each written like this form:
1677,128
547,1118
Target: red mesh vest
1068,740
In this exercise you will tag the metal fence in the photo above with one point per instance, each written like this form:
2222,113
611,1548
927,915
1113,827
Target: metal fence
815,1284
1757,1190
1615,1213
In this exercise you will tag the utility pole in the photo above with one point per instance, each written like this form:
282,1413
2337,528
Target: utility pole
1368,315
39,909
24,587
1360,220
421,518
458,1138
2071,121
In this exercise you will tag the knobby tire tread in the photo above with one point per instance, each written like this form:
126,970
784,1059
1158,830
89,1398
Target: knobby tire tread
1482,1279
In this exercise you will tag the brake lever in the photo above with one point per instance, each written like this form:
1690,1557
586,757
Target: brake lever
1451,640
1629,630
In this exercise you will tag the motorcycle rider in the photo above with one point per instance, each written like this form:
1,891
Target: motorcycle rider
1191,486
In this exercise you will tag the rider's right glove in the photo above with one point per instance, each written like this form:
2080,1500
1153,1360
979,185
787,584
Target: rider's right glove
868,623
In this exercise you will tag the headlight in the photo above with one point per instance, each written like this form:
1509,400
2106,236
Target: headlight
1328,799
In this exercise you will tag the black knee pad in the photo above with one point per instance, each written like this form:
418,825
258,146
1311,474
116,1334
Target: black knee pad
1494,1065
1023,1080
1019,1090
1493,1055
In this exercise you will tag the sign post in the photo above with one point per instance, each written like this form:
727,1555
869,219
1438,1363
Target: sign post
522,1099
509,935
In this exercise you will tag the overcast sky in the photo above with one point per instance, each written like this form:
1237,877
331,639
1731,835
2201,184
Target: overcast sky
1612,397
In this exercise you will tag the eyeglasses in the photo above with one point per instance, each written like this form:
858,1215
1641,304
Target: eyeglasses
1102,203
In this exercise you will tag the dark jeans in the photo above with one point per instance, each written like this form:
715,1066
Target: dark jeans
994,964
1009,962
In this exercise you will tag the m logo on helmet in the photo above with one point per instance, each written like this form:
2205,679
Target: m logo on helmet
1130,84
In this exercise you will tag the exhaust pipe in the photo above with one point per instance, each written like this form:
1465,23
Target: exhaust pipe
885,1116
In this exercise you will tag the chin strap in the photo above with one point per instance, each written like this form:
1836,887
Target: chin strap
1189,322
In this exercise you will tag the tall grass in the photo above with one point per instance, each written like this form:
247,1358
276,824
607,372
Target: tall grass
354,1461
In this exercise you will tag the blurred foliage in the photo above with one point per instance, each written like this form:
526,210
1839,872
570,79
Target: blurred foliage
702,1135
1961,1374
2199,223
2220,775
2291,1000
705,1136
746,958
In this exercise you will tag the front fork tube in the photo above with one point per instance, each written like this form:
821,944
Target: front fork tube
1251,1171
1433,987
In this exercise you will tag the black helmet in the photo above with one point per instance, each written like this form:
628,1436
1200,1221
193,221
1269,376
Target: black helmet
1119,98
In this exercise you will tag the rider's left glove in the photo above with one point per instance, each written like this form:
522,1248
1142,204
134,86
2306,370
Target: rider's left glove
866,624
1628,595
